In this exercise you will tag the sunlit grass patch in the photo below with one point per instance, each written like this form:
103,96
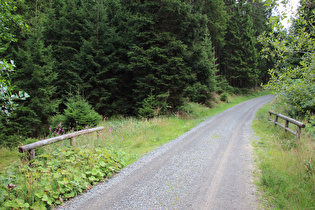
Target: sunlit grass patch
140,136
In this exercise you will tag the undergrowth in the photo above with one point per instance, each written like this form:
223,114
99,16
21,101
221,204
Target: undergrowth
50,179
287,165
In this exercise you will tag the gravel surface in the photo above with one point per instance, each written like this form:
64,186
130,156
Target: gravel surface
209,167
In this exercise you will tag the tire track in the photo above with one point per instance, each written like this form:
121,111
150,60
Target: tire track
216,180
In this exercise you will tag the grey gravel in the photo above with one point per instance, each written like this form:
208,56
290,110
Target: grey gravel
208,167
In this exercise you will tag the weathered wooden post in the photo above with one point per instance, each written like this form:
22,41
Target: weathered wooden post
276,120
286,125
30,148
72,141
32,154
298,133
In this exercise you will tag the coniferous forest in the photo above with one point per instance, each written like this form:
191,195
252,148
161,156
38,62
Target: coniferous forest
125,57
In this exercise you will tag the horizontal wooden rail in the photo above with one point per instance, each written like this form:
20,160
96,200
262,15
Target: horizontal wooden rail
31,147
287,121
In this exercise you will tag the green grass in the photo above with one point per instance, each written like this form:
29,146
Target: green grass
287,165
7,156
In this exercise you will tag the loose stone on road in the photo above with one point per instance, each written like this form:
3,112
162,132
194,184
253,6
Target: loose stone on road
209,167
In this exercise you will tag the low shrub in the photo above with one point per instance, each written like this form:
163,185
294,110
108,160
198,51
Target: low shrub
224,97
241,91
78,114
54,178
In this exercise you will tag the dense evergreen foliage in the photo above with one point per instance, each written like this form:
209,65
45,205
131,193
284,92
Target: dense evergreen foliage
141,58
240,60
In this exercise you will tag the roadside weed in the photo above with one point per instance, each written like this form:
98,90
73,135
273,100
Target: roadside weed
50,179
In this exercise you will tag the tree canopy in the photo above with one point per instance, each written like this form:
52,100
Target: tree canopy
293,76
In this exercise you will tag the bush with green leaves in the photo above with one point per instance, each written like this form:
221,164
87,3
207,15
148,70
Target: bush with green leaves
310,126
293,82
56,177
224,97
78,114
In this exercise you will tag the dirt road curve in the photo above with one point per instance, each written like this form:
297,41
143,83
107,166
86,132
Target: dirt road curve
208,167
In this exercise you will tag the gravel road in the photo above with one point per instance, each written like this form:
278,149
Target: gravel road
209,167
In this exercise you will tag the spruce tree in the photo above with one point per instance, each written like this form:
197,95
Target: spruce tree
96,62
156,55
216,11
64,32
36,74
202,58
240,53
260,15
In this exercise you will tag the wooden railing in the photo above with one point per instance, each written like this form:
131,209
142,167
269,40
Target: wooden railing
30,148
287,121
